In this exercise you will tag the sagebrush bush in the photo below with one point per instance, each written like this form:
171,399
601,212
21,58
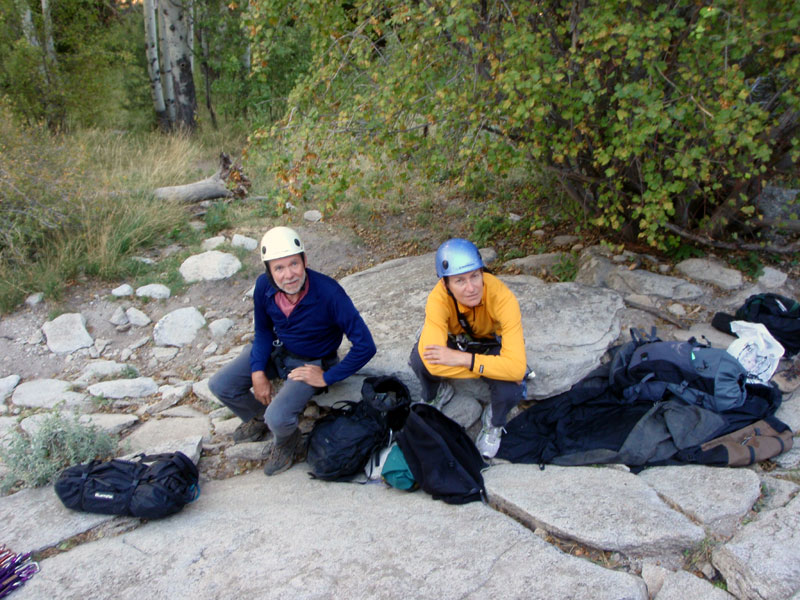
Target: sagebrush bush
60,441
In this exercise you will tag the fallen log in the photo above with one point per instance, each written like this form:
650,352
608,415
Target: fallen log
227,182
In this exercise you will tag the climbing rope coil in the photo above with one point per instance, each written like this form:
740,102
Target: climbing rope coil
15,570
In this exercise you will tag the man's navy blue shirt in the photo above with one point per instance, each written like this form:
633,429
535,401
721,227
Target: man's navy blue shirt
314,329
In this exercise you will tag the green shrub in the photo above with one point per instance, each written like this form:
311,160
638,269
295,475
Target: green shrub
59,442
566,268
647,113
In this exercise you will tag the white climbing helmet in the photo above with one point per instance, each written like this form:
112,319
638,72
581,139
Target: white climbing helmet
279,242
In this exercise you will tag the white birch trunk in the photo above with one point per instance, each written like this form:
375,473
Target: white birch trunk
153,69
28,28
177,17
49,44
167,83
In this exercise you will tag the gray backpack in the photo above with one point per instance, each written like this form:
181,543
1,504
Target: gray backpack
696,373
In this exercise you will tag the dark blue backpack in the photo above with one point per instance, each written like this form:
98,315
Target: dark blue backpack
152,487
651,369
442,458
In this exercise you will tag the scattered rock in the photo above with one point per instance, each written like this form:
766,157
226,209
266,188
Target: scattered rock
122,291
209,266
154,290
67,333
213,242
137,318
34,299
178,327
7,385
139,387
763,558
241,241
709,271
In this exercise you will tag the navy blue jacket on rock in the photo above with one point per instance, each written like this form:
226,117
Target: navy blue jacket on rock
314,329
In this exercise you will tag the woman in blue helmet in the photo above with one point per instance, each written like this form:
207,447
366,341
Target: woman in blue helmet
472,329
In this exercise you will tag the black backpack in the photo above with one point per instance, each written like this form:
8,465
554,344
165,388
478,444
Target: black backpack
134,488
343,441
779,314
709,377
443,459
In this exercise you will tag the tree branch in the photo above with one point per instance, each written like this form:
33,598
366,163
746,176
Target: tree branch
788,249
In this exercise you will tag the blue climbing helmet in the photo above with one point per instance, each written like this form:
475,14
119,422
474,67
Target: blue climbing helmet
457,256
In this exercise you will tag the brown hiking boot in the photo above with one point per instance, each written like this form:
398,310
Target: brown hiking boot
254,430
281,454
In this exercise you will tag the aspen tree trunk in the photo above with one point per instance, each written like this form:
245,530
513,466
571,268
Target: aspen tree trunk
177,16
167,83
28,28
153,68
49,44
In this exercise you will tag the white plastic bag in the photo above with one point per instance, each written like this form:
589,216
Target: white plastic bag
757,351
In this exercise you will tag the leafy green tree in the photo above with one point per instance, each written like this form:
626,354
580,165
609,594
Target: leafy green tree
79,71
655,117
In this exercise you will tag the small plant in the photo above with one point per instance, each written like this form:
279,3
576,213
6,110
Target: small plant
102,403
679,251
129,372
488,228
217,219
59,442
566,268
750,264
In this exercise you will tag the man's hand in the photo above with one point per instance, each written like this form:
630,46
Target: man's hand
262,388
310,374
442,355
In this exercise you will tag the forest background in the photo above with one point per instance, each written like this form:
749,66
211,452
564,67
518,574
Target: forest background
642,123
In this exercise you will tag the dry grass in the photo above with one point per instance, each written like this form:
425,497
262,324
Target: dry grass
81,203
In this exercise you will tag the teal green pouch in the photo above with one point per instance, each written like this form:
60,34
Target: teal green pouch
395,471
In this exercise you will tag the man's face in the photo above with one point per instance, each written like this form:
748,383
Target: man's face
467,287
288,273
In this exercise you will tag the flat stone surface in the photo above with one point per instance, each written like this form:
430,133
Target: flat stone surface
710,271
201,390
716,497
603,508
682,585
178,327
139,387
160,431
209,266
777,492
653,284
763,558
103,369
67,333
35,519
715,337
46,393
113,424
333,551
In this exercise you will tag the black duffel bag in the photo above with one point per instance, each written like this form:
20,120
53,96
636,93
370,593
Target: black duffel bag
152,487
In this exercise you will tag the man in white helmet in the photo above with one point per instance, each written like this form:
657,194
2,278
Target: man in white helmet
300,319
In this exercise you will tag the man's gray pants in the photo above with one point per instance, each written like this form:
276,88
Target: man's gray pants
232,384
